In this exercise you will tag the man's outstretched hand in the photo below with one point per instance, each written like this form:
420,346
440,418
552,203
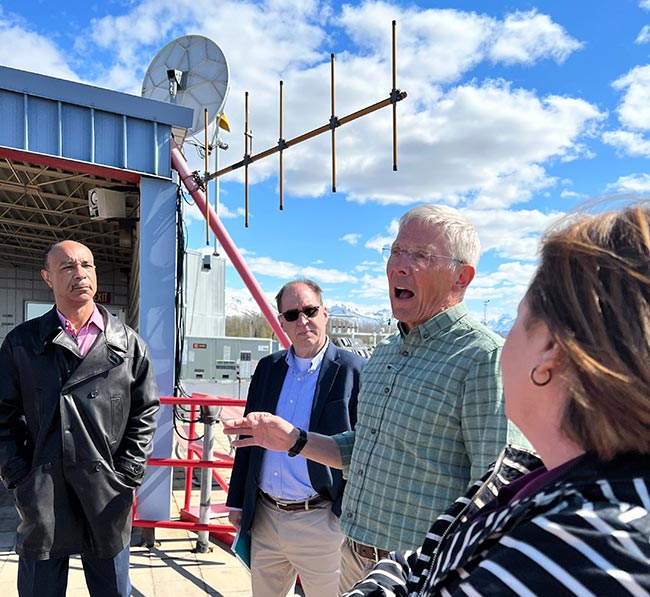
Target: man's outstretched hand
262,429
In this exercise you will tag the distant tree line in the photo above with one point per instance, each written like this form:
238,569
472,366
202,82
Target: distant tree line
248,326
256,326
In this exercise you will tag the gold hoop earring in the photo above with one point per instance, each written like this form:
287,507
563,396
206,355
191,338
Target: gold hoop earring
539,384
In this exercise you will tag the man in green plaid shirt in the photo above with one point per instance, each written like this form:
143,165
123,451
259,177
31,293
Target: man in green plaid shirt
430,411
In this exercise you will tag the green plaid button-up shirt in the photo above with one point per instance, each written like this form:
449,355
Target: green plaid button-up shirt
429,421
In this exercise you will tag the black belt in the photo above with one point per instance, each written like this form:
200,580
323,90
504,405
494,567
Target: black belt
313,503
368,552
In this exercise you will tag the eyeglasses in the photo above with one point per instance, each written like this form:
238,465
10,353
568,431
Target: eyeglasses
417,259
293,314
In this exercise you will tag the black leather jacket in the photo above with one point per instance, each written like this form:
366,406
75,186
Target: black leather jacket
75,435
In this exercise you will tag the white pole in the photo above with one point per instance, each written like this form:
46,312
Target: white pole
205,500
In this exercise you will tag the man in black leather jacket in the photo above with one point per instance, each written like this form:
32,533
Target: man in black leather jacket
78,403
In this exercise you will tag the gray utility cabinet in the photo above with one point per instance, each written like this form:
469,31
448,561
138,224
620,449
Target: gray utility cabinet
223,359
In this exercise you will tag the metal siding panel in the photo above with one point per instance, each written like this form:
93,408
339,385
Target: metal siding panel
140,143
43,123
77,132
109,140
157,328
164,150
12,131
101,99
205,296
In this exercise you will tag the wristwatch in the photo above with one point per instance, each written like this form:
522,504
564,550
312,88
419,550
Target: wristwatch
299,445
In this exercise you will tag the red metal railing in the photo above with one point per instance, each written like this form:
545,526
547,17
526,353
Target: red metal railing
220,460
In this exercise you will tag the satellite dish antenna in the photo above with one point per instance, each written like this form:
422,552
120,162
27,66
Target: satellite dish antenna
190,71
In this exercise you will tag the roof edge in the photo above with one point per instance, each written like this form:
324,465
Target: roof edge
90,96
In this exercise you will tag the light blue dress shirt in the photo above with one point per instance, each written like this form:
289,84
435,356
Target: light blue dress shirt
283,477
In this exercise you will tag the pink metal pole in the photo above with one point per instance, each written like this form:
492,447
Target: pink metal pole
180,165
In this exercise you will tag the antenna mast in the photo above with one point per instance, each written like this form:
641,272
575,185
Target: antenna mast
395,96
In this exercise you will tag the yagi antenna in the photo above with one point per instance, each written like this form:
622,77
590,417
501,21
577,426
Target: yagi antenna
395,96
192,71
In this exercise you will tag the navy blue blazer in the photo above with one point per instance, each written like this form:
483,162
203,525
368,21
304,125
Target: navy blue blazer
334,410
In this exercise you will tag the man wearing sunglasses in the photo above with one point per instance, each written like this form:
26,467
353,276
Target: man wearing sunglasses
431,408
289,505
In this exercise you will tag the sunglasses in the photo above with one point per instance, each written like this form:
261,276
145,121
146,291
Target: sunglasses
293,314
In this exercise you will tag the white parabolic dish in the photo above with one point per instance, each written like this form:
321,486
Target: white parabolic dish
204,82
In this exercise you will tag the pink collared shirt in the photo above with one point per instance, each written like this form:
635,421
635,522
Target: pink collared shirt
88,332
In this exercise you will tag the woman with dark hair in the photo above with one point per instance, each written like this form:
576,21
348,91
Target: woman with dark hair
572,518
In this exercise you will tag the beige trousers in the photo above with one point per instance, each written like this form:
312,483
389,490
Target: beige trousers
285,544
353,567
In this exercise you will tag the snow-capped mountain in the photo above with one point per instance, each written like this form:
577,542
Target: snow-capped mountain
239,306
377,320
380,318
502,325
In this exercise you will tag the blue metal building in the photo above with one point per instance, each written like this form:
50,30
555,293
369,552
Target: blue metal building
93,165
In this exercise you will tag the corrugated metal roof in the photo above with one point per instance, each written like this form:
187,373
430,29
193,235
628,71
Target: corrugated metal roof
58,140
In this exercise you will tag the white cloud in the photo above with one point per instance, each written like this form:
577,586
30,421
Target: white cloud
645,4
525,37
284,270
633,109
511,234
193,213
434,45
370,266
634,144
512,272
27,50
440,45
504,288
634,183
512,187
379,241
486,139
242,296
473,139
260,26
644,35
225,213
566,194
503,299
633,113
372,287
351,238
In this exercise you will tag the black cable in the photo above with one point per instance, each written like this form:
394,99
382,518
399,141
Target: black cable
179,298
180,411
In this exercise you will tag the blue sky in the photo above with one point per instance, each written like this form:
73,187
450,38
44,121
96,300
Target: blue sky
516,113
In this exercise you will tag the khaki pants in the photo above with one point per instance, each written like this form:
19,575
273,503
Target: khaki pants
353,567
285,544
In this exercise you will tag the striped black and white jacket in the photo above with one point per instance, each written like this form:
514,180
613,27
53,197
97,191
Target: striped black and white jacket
585,533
